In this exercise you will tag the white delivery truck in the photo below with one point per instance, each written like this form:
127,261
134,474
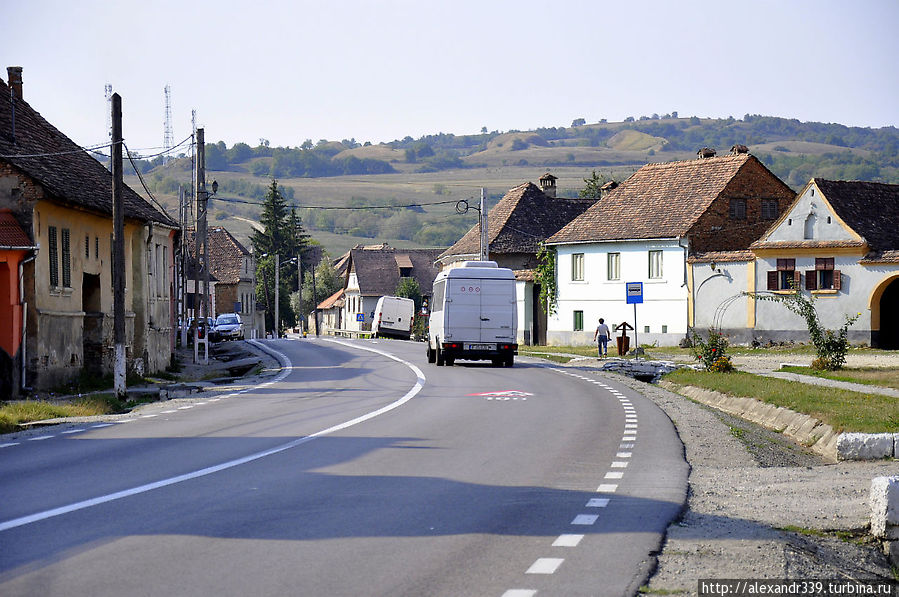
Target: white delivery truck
473,315
394,316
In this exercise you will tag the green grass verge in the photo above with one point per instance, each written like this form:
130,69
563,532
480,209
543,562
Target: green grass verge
13,414
841,409
874,376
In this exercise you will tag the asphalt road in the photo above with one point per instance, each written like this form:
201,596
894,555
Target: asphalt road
361,470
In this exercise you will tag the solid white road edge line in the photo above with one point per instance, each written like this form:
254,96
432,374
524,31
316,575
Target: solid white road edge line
419,384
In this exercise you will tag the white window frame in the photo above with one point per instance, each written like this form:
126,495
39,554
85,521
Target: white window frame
613,266
655,263
577,267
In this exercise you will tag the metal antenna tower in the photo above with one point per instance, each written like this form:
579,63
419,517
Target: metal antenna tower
168,139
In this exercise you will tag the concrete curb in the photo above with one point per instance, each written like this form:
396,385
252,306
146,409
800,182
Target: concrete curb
806,430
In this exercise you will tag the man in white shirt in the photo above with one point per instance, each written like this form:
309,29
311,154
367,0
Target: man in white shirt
602,333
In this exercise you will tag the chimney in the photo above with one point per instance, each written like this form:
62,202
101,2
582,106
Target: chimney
548,185
706,152
14,76
738,149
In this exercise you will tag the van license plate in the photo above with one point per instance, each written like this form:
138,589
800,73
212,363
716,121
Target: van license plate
480,346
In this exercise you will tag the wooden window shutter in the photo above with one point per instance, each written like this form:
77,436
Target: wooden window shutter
837,282
772,280
797,279
811,280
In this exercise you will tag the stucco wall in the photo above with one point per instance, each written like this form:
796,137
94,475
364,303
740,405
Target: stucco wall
664,309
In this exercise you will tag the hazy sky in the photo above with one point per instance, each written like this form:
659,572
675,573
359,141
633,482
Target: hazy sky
380,70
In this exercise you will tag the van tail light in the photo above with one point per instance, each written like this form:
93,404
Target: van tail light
452,345
508,347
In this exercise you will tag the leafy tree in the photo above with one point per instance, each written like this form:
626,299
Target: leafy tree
593,186
327,282
578,122
409,288
545,275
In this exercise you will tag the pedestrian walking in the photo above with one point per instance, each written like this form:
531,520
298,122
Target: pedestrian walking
602,335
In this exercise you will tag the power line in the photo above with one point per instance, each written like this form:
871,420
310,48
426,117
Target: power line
144,184
230,200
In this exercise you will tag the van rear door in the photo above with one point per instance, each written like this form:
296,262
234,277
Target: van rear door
497,323
463,310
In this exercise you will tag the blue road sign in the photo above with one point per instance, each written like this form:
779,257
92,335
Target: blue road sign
360,316
634,293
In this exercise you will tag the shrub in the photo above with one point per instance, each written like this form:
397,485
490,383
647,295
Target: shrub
830,345
712,354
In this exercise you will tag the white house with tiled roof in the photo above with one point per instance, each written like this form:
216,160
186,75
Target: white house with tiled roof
645,231
516,226
838,243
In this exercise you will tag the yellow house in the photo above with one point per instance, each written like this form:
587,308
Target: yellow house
62,198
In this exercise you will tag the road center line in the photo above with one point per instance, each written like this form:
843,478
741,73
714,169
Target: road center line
419,384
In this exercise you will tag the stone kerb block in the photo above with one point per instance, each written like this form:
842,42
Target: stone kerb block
885,508
865,446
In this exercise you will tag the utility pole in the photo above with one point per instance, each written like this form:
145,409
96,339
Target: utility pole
182,273
484,245
118,249
314,301
202,200
277,333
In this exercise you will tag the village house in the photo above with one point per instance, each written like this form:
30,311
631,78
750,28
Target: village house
374,271
645,230
838,243
232,271
516,226
61,198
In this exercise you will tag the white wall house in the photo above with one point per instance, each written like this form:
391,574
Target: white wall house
591,281
645,231
838,244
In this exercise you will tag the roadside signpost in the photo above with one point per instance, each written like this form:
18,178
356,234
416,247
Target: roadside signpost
634,295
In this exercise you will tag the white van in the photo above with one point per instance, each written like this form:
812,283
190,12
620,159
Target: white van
473,315
394,316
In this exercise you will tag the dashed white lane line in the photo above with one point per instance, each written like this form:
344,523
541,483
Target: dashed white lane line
168,412
598,503
101,425
619,464
607,488
519,593
70,431
40,438
614,475
9,445
185,407
624,454
585,519
545,566
568,541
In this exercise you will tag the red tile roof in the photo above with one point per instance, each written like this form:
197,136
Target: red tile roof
659,201
67,173
11,233
520,221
